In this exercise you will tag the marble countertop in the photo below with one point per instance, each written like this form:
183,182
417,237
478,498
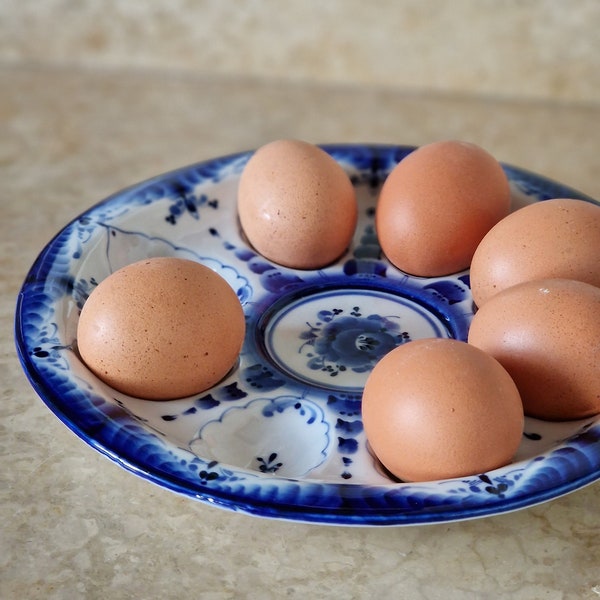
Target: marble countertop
75,525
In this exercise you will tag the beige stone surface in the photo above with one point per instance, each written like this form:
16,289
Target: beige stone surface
73,524
542,49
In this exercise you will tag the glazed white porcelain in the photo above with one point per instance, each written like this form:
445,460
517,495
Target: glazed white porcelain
281,436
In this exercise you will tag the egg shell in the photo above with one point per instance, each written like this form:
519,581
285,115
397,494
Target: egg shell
161,328
558,238
297,205
439,408
436,205
546,333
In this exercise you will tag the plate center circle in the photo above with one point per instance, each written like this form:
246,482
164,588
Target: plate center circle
334,338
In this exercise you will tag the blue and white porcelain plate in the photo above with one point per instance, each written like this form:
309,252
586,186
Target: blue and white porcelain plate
281,436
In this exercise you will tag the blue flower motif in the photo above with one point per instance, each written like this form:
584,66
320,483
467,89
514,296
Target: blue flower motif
269,465
341,342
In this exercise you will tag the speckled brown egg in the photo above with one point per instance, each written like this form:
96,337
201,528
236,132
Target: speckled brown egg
161,328
557,238
296,205
440,408
546,334
437,204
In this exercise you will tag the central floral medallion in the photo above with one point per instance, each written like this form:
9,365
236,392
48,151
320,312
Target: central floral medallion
339,341
334,338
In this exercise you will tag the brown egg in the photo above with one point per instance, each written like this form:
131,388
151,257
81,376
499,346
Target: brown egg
440,408
437,204
557,238
296,204
161,328
546,334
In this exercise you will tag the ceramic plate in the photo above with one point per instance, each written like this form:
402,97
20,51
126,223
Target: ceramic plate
281,436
